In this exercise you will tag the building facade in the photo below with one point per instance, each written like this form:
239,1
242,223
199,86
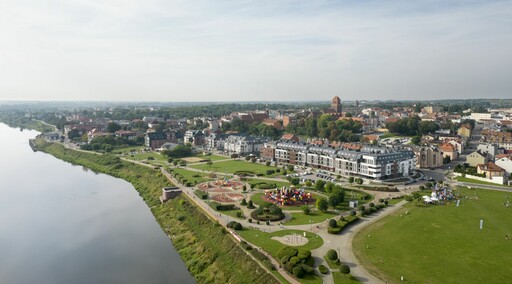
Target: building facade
369,162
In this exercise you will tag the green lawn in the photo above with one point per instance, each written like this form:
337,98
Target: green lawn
331,264
127,149
234,166
343,279
158,158
211,157
232,213
314,216
263,239
442,244
465,179
278,183
191,175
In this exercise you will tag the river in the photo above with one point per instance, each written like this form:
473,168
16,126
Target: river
61,223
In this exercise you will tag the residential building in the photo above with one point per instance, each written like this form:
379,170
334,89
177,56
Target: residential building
155,140
449,150
491,149
480,116
476,158
195,137
491,170
505,163
464,131
215,141
368,162
243,145
289,120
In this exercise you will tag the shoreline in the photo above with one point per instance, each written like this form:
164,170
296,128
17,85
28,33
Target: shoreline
231,269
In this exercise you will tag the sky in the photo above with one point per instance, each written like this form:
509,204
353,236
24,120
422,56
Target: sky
184,51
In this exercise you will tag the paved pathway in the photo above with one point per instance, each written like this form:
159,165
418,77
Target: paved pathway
342,243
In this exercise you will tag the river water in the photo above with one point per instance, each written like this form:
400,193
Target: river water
61,223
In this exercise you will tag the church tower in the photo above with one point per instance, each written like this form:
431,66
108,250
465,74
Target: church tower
336,104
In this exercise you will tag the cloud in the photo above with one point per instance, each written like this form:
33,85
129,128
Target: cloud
253,50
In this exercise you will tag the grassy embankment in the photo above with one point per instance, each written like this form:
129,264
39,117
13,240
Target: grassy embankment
210,254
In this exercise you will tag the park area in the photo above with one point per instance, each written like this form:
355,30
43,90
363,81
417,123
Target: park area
442,243
236,167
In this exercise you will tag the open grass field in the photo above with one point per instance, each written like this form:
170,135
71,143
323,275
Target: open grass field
192,176
442,244
234,166
211,157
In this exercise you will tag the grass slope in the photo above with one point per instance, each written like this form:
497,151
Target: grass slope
442,244
210,253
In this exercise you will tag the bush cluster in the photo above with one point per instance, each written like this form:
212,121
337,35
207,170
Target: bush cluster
298,262
234,225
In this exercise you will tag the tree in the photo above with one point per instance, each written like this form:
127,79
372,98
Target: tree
291,168
328,186
295,181
306,210
308,183
319,185
416,140
267,163
113,127
345,269
298,272
332,255
321,204
333,201
359,181
351,179
250,205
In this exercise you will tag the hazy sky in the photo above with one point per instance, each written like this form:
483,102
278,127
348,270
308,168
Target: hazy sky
254,50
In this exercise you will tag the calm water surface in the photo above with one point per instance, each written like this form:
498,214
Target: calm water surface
61,223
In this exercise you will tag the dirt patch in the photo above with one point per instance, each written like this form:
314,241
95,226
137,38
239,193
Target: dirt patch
192,159
292,240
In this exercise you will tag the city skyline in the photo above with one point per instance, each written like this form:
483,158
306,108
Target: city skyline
254,51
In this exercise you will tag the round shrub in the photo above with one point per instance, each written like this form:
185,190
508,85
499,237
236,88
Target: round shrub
323,269
332,223
371,204
361,207
408,198
307,269
294,260
298,272
332,255
352,213
304,254
344,269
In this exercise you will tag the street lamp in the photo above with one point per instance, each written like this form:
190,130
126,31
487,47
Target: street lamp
311,225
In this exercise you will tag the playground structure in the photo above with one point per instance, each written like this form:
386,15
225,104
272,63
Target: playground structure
287,196
223,190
